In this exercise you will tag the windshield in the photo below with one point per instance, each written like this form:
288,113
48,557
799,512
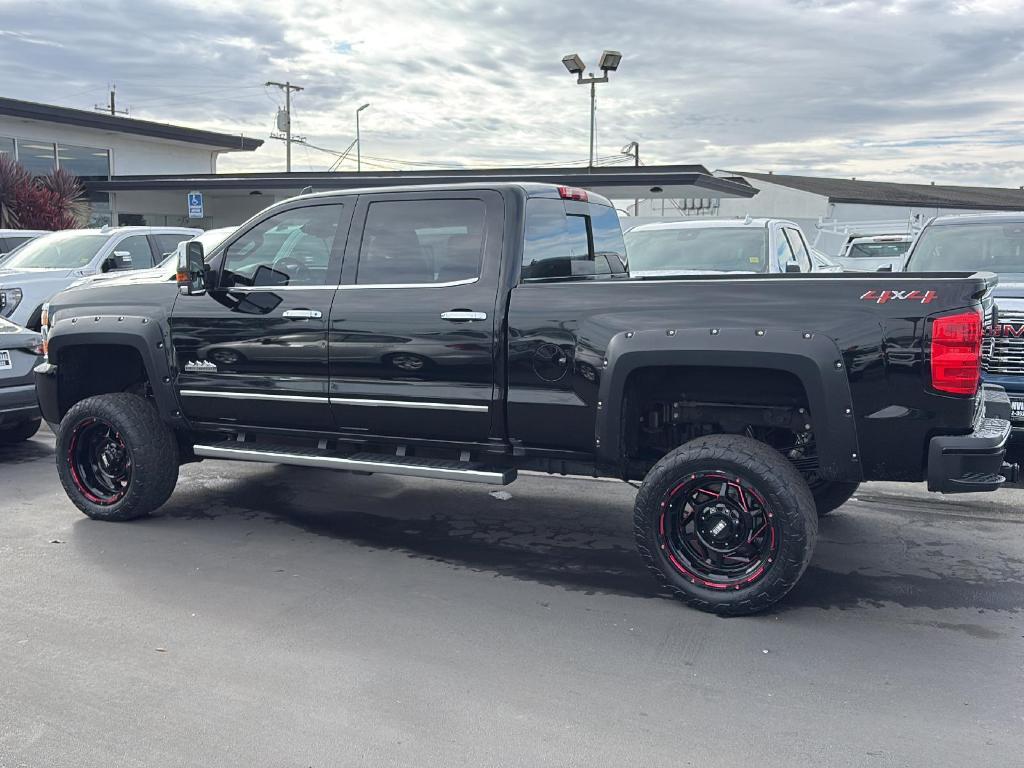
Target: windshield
61,250
878,250
714,249
995,248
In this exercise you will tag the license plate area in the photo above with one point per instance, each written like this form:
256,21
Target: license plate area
1017,408
5,360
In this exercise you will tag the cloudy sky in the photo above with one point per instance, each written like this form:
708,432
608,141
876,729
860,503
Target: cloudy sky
916,90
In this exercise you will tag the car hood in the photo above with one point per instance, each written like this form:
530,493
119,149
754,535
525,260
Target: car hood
1010,289
153,275
14,278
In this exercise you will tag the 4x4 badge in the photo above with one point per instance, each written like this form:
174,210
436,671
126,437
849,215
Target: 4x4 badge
200,366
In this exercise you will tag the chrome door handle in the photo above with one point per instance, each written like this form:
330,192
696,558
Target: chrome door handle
462,314
302,314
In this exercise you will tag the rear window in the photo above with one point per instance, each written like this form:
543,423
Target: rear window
578,240
877,250
995,248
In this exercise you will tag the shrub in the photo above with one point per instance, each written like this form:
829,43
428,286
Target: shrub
53,201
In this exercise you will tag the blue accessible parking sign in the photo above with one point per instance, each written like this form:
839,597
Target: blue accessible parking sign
195,205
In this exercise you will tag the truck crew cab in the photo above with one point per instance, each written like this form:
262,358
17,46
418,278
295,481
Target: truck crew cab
469,331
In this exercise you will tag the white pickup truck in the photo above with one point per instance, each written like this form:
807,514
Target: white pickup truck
715,246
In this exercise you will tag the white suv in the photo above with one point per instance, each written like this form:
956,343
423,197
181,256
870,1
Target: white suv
49,264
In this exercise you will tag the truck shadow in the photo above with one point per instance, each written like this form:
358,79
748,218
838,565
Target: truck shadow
27,452
582,539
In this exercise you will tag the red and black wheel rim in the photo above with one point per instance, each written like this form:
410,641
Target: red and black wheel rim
718,531
101,465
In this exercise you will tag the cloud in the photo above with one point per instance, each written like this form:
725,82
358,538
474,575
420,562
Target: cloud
918,90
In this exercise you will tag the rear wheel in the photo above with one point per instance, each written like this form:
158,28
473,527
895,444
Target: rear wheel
830,495
726,524
20,432
116,459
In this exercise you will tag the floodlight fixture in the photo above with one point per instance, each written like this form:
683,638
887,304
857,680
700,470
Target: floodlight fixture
574,64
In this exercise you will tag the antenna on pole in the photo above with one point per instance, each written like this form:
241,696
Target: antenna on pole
112,106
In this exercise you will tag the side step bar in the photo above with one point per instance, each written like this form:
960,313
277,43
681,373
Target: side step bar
384,464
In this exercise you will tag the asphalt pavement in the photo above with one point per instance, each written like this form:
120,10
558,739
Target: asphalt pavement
280,617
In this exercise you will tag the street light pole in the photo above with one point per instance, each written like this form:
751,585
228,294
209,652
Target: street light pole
609,63
359,141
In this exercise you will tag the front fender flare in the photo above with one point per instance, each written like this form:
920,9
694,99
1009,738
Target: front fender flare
144,334
813,358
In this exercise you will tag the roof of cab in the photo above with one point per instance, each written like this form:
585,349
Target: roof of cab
526,188
1002,217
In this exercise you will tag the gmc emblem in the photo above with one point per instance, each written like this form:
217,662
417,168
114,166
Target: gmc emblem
882,297
1007,330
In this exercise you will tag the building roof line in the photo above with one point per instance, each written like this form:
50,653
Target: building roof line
81,118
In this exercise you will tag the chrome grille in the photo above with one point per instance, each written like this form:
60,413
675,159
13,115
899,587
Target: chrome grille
1004,354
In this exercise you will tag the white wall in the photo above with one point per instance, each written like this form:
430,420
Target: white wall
130,155
222,209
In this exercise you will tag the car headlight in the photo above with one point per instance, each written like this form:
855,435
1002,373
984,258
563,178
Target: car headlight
11,298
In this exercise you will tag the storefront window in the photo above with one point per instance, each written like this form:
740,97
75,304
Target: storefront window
100,213
84,162
6,146
36,157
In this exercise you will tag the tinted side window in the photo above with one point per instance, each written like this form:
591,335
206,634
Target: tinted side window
166,244
608,241
10,243
133,253
413,242
555,245
290,248
796,242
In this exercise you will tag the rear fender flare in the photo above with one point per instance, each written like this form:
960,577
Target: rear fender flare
813,358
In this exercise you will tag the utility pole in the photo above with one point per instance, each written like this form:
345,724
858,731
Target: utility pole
287,87
112,106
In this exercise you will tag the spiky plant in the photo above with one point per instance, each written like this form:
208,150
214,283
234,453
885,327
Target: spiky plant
14,179
67,199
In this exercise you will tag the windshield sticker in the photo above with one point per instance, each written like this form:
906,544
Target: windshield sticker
883,297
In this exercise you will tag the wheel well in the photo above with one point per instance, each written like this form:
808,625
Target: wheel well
664,407
97,369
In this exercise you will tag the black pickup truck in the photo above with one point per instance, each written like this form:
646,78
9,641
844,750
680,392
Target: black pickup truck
467,332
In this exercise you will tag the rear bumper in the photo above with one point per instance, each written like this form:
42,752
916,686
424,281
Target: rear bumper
18,404
973,463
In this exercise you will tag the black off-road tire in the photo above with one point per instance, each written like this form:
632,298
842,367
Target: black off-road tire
830,495
780,485
20,432
150,445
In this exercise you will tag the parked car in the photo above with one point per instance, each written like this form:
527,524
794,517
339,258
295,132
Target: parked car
714,246
20,351
748,405
870,254
163,271
52,262
823,263
10,239
990,242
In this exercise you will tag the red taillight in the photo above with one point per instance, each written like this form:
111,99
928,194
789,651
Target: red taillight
956,353
572,193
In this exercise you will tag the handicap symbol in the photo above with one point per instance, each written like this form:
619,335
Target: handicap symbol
195,200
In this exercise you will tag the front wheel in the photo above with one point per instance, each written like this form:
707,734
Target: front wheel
726,523
116,459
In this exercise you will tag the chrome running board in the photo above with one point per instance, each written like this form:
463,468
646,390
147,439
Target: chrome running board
385,464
